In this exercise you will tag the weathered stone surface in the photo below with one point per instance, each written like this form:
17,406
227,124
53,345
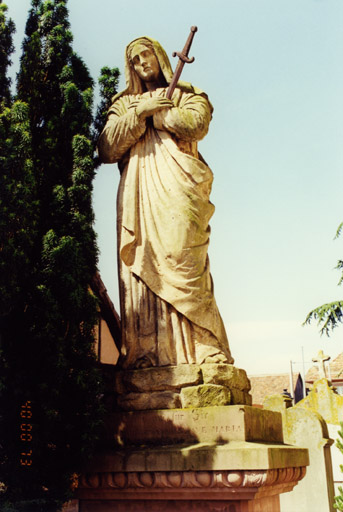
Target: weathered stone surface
260,425
118,384
248,399
277,403
205,395
306,428
195,425
171,378
200,386
240,397
234,456
153,400
238,491
225,375
323,400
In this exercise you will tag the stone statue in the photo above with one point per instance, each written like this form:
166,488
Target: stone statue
168,312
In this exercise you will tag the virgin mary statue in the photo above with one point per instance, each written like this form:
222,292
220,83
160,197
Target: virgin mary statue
168,311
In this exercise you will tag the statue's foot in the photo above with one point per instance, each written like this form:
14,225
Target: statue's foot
217,359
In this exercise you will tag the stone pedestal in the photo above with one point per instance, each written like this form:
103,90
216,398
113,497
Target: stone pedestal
213,459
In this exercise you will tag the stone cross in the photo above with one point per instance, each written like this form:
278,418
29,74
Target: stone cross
320,359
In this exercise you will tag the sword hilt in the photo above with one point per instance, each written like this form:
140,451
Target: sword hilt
187,46
183,59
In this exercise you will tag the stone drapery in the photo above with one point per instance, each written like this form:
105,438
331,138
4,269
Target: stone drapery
169,314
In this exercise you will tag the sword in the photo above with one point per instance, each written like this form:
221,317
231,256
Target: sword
183,58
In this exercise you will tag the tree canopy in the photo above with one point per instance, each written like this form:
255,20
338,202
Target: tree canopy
51,387
329,315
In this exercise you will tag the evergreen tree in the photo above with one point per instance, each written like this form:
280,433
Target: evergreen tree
108,81
7,29
17,185
50,388
329,315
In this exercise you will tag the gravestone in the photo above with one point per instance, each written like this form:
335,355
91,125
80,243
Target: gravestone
314,423
323,399
306,428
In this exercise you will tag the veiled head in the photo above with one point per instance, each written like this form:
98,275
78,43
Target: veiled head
136,70
135,84
145,64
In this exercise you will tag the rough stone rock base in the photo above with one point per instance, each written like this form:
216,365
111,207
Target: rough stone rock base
187,385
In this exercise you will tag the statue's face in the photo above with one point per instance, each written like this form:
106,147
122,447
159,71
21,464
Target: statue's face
145,63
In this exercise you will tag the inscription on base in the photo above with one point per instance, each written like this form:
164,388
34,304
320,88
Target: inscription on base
190,425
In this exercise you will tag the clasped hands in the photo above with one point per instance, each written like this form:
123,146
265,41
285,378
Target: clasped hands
148,107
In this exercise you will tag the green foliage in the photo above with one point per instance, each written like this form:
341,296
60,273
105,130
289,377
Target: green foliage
339,499
108,81
49,257
329,315
7,29
18,204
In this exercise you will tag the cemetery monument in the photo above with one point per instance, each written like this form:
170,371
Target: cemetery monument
184,435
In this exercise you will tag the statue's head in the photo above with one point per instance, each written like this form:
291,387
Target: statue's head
146,61
137,74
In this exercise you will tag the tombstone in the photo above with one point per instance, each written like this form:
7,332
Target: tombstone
324,400
306,428
314,423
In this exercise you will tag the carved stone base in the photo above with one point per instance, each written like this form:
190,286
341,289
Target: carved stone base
187,490
183,476
213,459
187,385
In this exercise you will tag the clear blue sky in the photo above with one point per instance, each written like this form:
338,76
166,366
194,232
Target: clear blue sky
273,71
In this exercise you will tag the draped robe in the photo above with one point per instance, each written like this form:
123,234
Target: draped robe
168,311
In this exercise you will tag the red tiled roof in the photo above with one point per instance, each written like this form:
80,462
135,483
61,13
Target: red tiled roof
264,385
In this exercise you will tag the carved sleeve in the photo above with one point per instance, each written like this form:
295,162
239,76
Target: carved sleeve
123,129
188,121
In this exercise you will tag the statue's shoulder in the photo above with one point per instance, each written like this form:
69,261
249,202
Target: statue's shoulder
193,92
